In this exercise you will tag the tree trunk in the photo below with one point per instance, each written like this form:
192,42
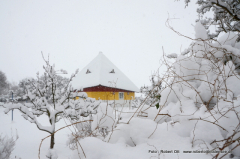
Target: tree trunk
52,141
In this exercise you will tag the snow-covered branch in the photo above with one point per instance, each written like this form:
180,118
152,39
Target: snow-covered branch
226,15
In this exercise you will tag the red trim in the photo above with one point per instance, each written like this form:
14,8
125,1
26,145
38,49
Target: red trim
100,88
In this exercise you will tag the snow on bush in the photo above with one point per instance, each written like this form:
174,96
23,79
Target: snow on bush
99,125
141,138
151,92
226,16
172,55
201,92
104,121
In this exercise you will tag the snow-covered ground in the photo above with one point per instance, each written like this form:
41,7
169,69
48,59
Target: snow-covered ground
142,138
30,136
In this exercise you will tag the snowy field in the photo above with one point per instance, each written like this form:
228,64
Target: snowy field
142,138
30,137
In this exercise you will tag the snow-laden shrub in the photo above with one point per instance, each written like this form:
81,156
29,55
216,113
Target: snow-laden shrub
136,139
99,125
225,16
137,101
151,93
82,130
6,146
201,91
104,121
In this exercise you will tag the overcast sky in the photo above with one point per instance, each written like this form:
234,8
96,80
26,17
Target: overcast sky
130,33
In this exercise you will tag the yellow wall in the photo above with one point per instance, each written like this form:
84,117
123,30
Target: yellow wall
110,95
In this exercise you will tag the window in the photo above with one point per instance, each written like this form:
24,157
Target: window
121,96
88,71
112,71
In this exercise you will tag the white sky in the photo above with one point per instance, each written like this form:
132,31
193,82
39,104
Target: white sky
130,33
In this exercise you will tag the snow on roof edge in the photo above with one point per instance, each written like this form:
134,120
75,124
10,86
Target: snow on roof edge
109,87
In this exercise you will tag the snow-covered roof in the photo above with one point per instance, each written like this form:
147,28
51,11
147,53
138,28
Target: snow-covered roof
101,71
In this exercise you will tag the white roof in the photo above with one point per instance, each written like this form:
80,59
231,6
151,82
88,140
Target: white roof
100,68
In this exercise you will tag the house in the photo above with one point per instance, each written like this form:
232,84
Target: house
101,79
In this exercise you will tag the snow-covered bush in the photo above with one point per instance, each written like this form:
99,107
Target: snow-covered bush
226,16
201,92
137,101
152,91
50,95
104,121
99,126
82,130
6,146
